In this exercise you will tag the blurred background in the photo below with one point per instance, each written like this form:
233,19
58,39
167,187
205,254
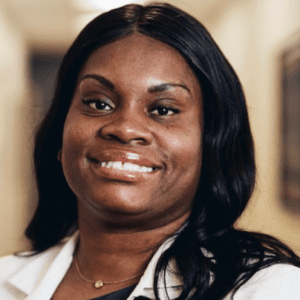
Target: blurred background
261,38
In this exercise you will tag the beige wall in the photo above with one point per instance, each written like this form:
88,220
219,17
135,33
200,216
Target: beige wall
15,179
251,33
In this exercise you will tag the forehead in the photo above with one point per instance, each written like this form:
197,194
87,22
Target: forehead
139,56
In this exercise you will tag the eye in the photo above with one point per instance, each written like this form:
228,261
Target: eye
164,111
97,104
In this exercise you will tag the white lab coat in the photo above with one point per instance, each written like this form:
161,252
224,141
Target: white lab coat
37,277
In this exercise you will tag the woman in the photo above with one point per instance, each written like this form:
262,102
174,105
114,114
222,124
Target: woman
155,165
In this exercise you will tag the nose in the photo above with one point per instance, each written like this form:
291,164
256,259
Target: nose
127,129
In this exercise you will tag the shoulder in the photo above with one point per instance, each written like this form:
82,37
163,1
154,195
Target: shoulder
11,264
276,282
22,274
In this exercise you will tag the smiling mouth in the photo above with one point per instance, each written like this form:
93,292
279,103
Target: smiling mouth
124,166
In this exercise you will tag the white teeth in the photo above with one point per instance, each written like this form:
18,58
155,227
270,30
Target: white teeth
135,168
118,165
144,169
127,166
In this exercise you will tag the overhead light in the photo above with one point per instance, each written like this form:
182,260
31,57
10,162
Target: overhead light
103,5
91,8
82,20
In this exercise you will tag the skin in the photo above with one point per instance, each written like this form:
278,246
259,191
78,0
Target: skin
136,97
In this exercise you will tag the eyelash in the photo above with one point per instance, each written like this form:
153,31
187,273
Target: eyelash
165,111
173,110
96,102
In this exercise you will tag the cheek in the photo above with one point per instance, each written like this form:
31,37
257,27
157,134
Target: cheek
75,142
184,148
76,135
180,182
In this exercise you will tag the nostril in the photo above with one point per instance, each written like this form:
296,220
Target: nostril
126,132
137,141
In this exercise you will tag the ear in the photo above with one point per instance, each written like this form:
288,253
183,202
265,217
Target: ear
59,155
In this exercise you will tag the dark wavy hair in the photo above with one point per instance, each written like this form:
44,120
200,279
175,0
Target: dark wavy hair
228,166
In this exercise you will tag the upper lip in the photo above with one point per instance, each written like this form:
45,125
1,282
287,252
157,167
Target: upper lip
125,157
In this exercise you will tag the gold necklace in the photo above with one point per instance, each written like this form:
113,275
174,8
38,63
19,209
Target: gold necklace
99,283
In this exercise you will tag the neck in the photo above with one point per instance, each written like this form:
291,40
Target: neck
114,254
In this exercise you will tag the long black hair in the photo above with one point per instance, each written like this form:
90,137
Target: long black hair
216,258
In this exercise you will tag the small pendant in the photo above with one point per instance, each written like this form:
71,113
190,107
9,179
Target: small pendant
98,284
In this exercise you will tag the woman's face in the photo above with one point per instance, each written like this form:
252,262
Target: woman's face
132,137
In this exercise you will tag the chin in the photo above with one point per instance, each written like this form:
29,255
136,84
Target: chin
120,203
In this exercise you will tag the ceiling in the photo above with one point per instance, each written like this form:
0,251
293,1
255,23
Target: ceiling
55,23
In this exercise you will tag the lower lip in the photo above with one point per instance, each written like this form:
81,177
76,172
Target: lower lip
121,175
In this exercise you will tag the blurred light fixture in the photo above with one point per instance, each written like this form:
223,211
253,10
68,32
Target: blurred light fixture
103,5
82,20
89,9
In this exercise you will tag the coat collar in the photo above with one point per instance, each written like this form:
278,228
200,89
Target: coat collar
173,280
41,275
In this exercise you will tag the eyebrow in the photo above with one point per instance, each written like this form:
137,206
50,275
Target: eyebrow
100,79
166,86
152,89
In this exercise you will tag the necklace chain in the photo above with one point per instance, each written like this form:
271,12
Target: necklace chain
99,283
